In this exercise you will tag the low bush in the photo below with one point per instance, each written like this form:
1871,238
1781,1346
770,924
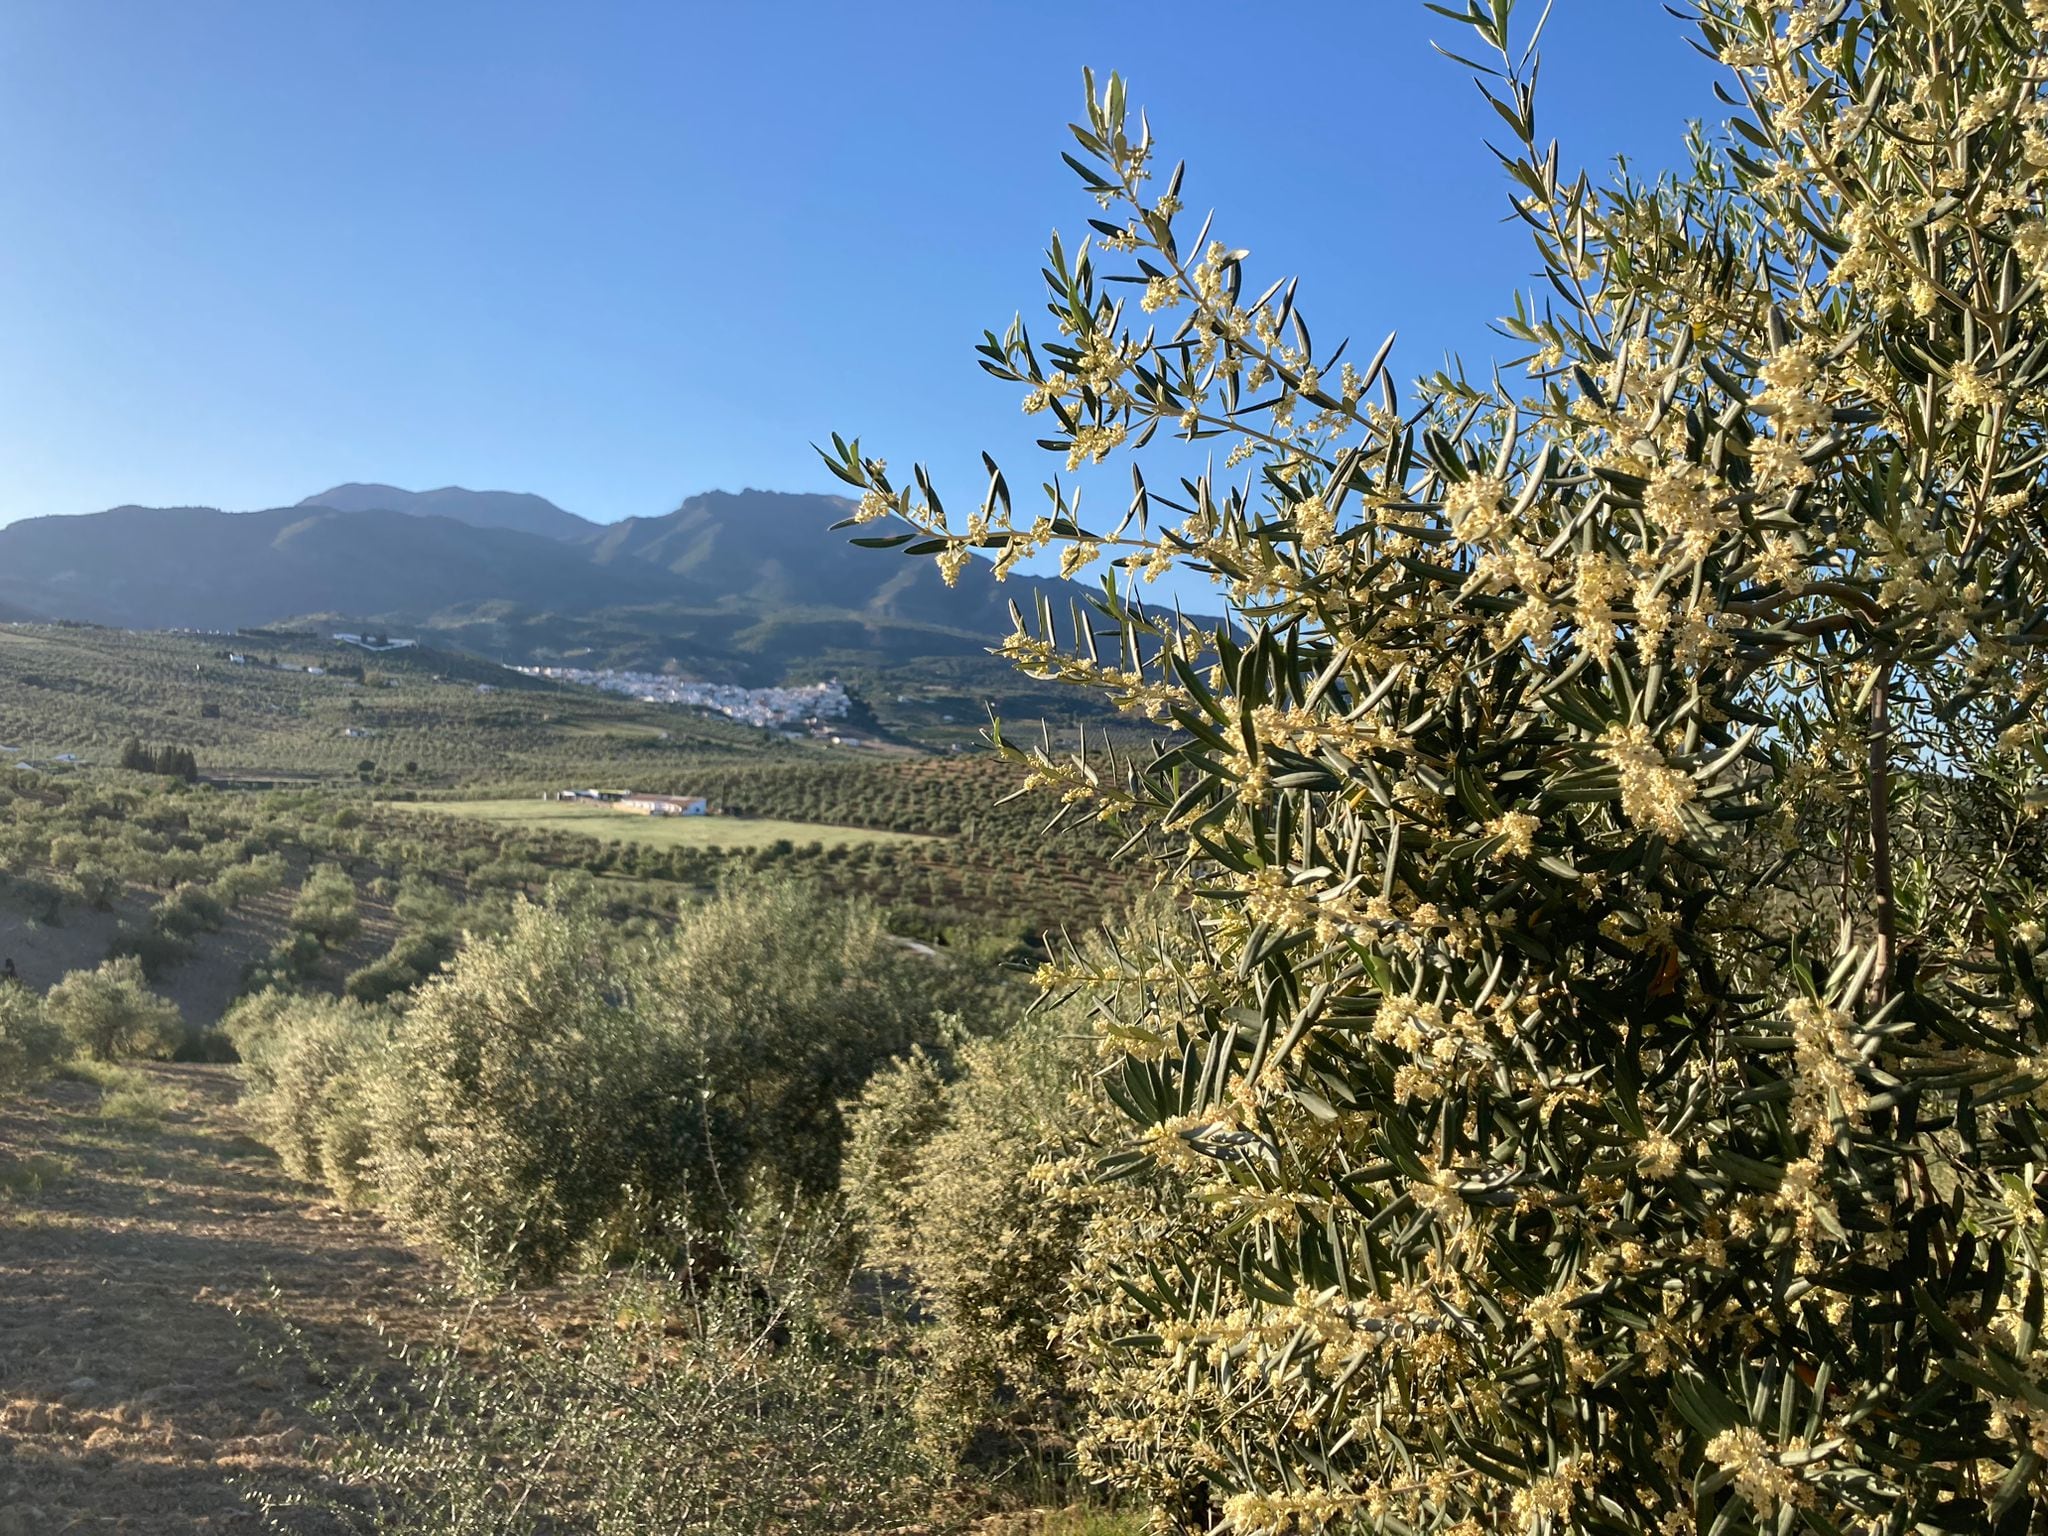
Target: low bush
31,1043
97,885
110,1012
140,1102
977,1188
262,874
411,960
422,903
308,1067
523,1094
565,1090
188,911
326,907
41,899
741,1408
785,1002
155,950
293,959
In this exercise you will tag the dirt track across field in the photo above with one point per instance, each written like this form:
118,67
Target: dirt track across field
148,1273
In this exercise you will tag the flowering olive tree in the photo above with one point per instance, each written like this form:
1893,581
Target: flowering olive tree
1603,1088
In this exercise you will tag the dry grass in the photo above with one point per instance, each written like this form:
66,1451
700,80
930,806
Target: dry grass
149,1255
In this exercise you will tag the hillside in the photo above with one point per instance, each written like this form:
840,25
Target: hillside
422,716
197,568
749,587
773,552
518,511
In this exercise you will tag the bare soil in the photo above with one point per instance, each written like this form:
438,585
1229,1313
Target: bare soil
149,1273
204,985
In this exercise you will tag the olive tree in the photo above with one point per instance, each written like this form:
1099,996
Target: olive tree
326,907
1606,1088
31,1043
110,1011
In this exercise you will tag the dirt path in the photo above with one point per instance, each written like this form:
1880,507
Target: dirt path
145,1271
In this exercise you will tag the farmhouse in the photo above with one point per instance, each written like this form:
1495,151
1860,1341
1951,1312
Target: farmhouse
375,642
664,805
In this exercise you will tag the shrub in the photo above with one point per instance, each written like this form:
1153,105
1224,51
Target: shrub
714,1061
734,1409
1530,1158
293,959
422,903
137,1101
889,1124
255,1024
784,1001
154,949
31,1043
110,1012
189,910
40,898
262,874
307,1063
97,885
413,958
326,907
975,1188
524,1093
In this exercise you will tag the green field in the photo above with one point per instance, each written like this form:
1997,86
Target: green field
608,825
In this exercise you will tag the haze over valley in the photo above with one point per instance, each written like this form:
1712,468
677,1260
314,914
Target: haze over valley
742,587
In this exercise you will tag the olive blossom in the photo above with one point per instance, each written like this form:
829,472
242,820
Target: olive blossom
1601,1085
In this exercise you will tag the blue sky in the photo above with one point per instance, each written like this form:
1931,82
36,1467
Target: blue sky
618,253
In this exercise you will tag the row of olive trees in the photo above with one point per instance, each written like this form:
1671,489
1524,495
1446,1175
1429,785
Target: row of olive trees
1602,1084
708,1105
563,1092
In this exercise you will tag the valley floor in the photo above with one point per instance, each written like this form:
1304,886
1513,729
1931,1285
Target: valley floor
149,1273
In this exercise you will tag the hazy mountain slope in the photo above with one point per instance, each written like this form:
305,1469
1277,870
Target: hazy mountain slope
770,550
745,587
514,510
194,567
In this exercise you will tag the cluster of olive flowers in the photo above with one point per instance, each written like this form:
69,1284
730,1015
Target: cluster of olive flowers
1530,1155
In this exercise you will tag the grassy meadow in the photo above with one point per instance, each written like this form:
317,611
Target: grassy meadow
613,826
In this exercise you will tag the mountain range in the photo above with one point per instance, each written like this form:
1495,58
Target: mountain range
520,511
745,586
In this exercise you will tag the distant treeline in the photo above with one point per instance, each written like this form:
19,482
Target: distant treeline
172,762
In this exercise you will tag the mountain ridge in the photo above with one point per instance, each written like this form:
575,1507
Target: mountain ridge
517,511
745,586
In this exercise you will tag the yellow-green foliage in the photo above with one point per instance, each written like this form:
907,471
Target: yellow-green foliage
31,1043
135,1100
567,1084
888,1125
785,1002
521,1094
110,1011
1605,1092
307,1065
258,877
326,907
977,1189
